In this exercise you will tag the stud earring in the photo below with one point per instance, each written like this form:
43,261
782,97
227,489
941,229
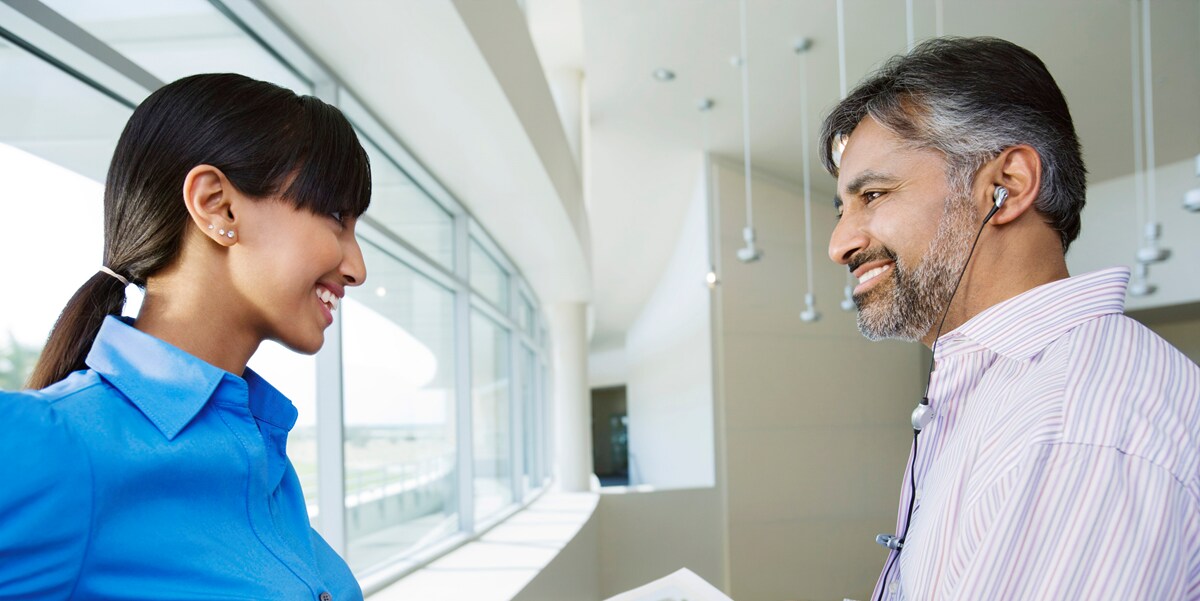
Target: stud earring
229,233
221,232
211,226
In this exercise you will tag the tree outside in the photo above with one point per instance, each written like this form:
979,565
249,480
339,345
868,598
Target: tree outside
16,362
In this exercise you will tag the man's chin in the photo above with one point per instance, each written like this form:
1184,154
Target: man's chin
878,319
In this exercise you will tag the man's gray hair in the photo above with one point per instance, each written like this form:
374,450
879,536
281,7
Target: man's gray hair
971,98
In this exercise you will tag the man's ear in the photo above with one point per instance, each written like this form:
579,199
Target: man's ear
209,197
1019,170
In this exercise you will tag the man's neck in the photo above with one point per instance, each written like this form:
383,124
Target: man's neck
999,272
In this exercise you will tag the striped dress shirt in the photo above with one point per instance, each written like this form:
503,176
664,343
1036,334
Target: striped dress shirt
1064,460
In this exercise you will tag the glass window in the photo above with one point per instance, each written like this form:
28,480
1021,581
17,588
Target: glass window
488,278
399,205
490,412
174,38
398,380
56,139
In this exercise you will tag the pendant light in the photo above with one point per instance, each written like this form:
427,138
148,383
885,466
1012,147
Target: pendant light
1145,180
809,314
749,253
705,106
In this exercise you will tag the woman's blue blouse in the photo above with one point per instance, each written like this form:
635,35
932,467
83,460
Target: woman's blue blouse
154,475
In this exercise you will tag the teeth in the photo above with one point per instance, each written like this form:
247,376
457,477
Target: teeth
328,298
870,275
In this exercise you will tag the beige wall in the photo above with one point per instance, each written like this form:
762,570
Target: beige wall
574,574
645,536
633,539
815,416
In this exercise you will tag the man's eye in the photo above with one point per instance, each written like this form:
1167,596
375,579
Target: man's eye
869,196
337,216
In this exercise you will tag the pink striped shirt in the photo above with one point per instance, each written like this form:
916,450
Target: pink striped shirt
1064,461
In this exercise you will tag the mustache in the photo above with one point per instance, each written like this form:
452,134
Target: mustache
871,254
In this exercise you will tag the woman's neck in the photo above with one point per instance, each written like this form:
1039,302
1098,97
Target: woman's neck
190,311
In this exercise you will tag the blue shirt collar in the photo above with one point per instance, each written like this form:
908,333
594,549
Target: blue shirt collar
171,386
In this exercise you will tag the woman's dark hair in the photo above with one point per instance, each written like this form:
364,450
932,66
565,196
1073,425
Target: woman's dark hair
970,98
268,142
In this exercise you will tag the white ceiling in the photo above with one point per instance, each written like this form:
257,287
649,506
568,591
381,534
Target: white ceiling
646,135
437,76
473,107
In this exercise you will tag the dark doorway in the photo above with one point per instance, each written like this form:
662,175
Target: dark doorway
610,436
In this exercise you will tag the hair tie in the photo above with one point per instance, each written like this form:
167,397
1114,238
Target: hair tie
114,274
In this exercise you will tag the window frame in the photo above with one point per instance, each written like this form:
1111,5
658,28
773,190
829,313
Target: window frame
53,38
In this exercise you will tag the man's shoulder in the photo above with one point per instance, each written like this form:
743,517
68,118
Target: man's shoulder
1115,354
1128,388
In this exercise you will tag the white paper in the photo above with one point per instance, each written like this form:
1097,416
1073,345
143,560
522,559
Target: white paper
683,585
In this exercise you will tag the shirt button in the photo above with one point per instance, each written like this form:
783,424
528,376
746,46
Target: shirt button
326,596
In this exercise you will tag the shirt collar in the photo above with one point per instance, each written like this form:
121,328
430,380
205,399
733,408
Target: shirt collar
168,385
268,404
171,386
1023,325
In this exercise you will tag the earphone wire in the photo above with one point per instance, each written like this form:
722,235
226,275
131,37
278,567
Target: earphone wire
894,554
946,313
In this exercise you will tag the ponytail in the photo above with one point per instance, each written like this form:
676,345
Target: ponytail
71,339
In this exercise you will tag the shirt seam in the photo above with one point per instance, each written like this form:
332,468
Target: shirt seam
87,545
56,400
250,517
1139,456
1096,446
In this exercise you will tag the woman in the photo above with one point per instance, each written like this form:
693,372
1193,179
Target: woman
150,462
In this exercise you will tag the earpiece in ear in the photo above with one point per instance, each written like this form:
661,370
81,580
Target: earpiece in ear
1000,195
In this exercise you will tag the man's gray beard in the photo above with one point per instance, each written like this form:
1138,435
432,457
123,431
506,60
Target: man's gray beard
907,307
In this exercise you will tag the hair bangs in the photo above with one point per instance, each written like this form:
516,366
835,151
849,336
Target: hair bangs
332,173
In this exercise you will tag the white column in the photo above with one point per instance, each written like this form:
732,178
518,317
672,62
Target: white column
572,398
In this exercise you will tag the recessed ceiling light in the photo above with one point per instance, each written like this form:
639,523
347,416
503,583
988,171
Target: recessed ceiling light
662,74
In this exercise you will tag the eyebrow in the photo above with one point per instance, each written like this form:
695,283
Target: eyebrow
864,179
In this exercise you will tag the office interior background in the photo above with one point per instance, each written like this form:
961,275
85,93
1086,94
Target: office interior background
560,382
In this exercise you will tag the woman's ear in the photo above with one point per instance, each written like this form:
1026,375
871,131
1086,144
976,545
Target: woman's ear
209,197
1017,169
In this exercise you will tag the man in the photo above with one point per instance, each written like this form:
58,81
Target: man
1060,454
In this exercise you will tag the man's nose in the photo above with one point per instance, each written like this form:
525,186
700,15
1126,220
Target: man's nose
847,238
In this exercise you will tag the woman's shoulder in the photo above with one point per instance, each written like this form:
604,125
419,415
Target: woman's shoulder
46,498
44,424
82,381
32,422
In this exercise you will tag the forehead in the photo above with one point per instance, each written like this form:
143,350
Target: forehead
872,148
